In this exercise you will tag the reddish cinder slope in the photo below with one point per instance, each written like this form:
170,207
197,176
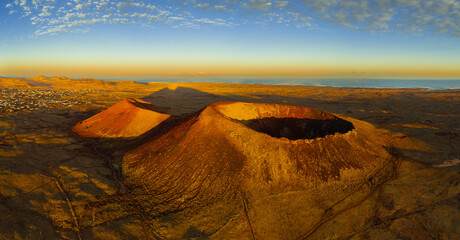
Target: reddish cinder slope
275,162
128,118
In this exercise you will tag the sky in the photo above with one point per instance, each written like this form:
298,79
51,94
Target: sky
227,38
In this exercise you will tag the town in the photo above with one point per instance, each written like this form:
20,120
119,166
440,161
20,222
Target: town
18,99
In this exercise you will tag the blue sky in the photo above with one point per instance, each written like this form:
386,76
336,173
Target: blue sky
255,38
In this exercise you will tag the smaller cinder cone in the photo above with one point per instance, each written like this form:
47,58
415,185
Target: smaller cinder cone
128,118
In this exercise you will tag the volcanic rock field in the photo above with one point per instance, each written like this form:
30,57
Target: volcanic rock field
230,161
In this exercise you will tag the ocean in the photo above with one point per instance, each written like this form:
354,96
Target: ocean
431,84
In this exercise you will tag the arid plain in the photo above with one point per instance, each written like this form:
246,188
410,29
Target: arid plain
404,182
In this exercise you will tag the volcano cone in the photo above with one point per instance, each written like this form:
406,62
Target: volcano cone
128,118
266,160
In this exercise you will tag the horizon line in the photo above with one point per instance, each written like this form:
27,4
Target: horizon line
122,78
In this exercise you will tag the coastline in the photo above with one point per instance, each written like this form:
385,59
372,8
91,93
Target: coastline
429,84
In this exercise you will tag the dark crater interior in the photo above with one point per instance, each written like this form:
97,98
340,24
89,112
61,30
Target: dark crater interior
298,128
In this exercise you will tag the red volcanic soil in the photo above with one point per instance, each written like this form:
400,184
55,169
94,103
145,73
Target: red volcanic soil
128,118
268,143
258,151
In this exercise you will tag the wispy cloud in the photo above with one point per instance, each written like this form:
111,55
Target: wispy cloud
54,16
261,5
440,16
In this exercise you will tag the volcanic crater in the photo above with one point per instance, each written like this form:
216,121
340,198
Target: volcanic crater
255,161
258,152
303,123
269,143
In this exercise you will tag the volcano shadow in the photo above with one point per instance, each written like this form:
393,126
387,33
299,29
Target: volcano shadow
177,101
298,128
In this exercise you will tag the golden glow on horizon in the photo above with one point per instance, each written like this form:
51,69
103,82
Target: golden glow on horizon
169,70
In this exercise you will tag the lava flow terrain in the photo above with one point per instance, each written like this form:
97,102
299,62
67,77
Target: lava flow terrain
124,160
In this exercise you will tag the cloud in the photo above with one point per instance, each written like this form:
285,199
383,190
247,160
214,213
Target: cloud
261,5
215,21
439,16
54,16
78,7
281,3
